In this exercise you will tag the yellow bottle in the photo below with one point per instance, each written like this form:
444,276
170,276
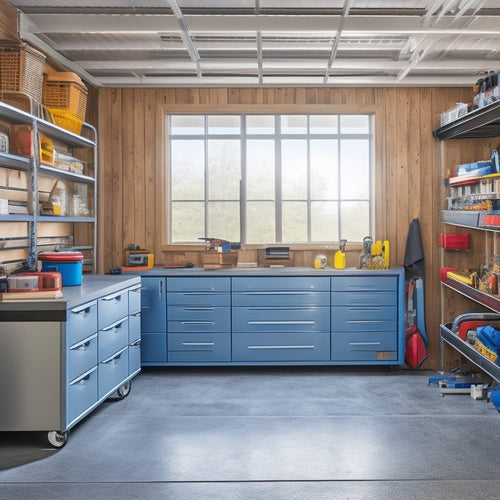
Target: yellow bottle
339,261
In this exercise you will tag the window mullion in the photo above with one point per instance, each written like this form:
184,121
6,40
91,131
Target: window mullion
278,202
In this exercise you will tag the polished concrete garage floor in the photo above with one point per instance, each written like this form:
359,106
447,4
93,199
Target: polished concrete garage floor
267,433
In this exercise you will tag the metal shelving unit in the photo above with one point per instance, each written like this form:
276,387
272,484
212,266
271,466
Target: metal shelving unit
480,123
35,169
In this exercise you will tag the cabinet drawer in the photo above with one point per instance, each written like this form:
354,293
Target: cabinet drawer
113,371
202,299
364,298
199,319
82,394
153,347
81,322
199,347
112,308
134,357
113,338
134,299
361,346
364,283
82,356
281,347
134,327
292,283
206,285
269,298
286,319
364,319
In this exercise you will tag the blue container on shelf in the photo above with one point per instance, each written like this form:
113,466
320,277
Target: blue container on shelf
69,264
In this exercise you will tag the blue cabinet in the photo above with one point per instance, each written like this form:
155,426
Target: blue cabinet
367,319
199,324
153,321
65,357
284,319
331,317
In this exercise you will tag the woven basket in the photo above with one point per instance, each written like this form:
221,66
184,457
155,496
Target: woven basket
21,69
66,93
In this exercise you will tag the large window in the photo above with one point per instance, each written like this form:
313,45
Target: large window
270,178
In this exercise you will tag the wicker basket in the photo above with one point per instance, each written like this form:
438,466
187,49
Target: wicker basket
65,92
21,69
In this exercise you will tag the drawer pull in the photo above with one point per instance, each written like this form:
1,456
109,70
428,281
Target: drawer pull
209,344
136,343
208,308
280,292
115,326
282,322
363,343
83,344
83,377
136,314
197,322
85,309
363,322
365,309
209,291
116,296
281,347
116,355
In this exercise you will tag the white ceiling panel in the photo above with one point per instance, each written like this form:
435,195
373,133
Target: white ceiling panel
164,43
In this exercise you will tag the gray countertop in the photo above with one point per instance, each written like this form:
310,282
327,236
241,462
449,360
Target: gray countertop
92,287
260,271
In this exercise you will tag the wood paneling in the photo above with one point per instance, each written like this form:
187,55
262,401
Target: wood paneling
407,182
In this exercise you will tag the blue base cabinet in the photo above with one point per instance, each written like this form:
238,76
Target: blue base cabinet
153,321
64,357
333,317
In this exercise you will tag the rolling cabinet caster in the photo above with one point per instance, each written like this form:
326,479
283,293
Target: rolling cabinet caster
57,439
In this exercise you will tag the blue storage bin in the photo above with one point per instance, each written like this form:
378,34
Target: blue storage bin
69,264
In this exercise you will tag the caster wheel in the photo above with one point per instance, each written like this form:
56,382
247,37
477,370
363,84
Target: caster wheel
57,439
123,391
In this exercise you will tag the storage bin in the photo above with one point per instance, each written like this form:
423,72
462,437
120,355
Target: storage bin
65,91
21,69
69,264
452,241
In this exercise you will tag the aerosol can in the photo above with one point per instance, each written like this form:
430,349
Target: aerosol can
339,259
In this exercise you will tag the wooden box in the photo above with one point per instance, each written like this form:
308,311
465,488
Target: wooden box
219,260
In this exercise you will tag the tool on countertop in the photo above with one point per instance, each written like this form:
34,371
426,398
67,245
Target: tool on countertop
138,257
217,245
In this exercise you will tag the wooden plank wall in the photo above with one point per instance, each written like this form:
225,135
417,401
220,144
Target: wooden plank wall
132,178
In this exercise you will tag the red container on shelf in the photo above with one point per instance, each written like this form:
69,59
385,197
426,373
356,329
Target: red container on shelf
452,241
69,264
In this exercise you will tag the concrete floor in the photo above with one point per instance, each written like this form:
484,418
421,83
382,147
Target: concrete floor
267,433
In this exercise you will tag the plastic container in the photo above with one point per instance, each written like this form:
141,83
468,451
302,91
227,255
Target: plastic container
69,264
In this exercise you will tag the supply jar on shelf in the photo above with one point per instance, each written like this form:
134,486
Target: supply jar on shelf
69,264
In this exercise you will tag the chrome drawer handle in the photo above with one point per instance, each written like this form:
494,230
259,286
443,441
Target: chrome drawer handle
281,322
85,309
281,347
116,296
114,356
115,326
202,309
83,377
197,322
210,344
83,344
136,343
364,343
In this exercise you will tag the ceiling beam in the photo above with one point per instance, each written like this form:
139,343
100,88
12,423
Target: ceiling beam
100,23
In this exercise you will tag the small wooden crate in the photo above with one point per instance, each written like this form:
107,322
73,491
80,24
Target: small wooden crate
219,260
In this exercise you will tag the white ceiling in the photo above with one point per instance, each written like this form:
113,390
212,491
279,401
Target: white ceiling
166,43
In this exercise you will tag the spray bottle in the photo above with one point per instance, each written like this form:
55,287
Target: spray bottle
340,259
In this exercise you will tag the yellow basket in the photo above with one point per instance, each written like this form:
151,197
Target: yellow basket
21,69
66,92
66,120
